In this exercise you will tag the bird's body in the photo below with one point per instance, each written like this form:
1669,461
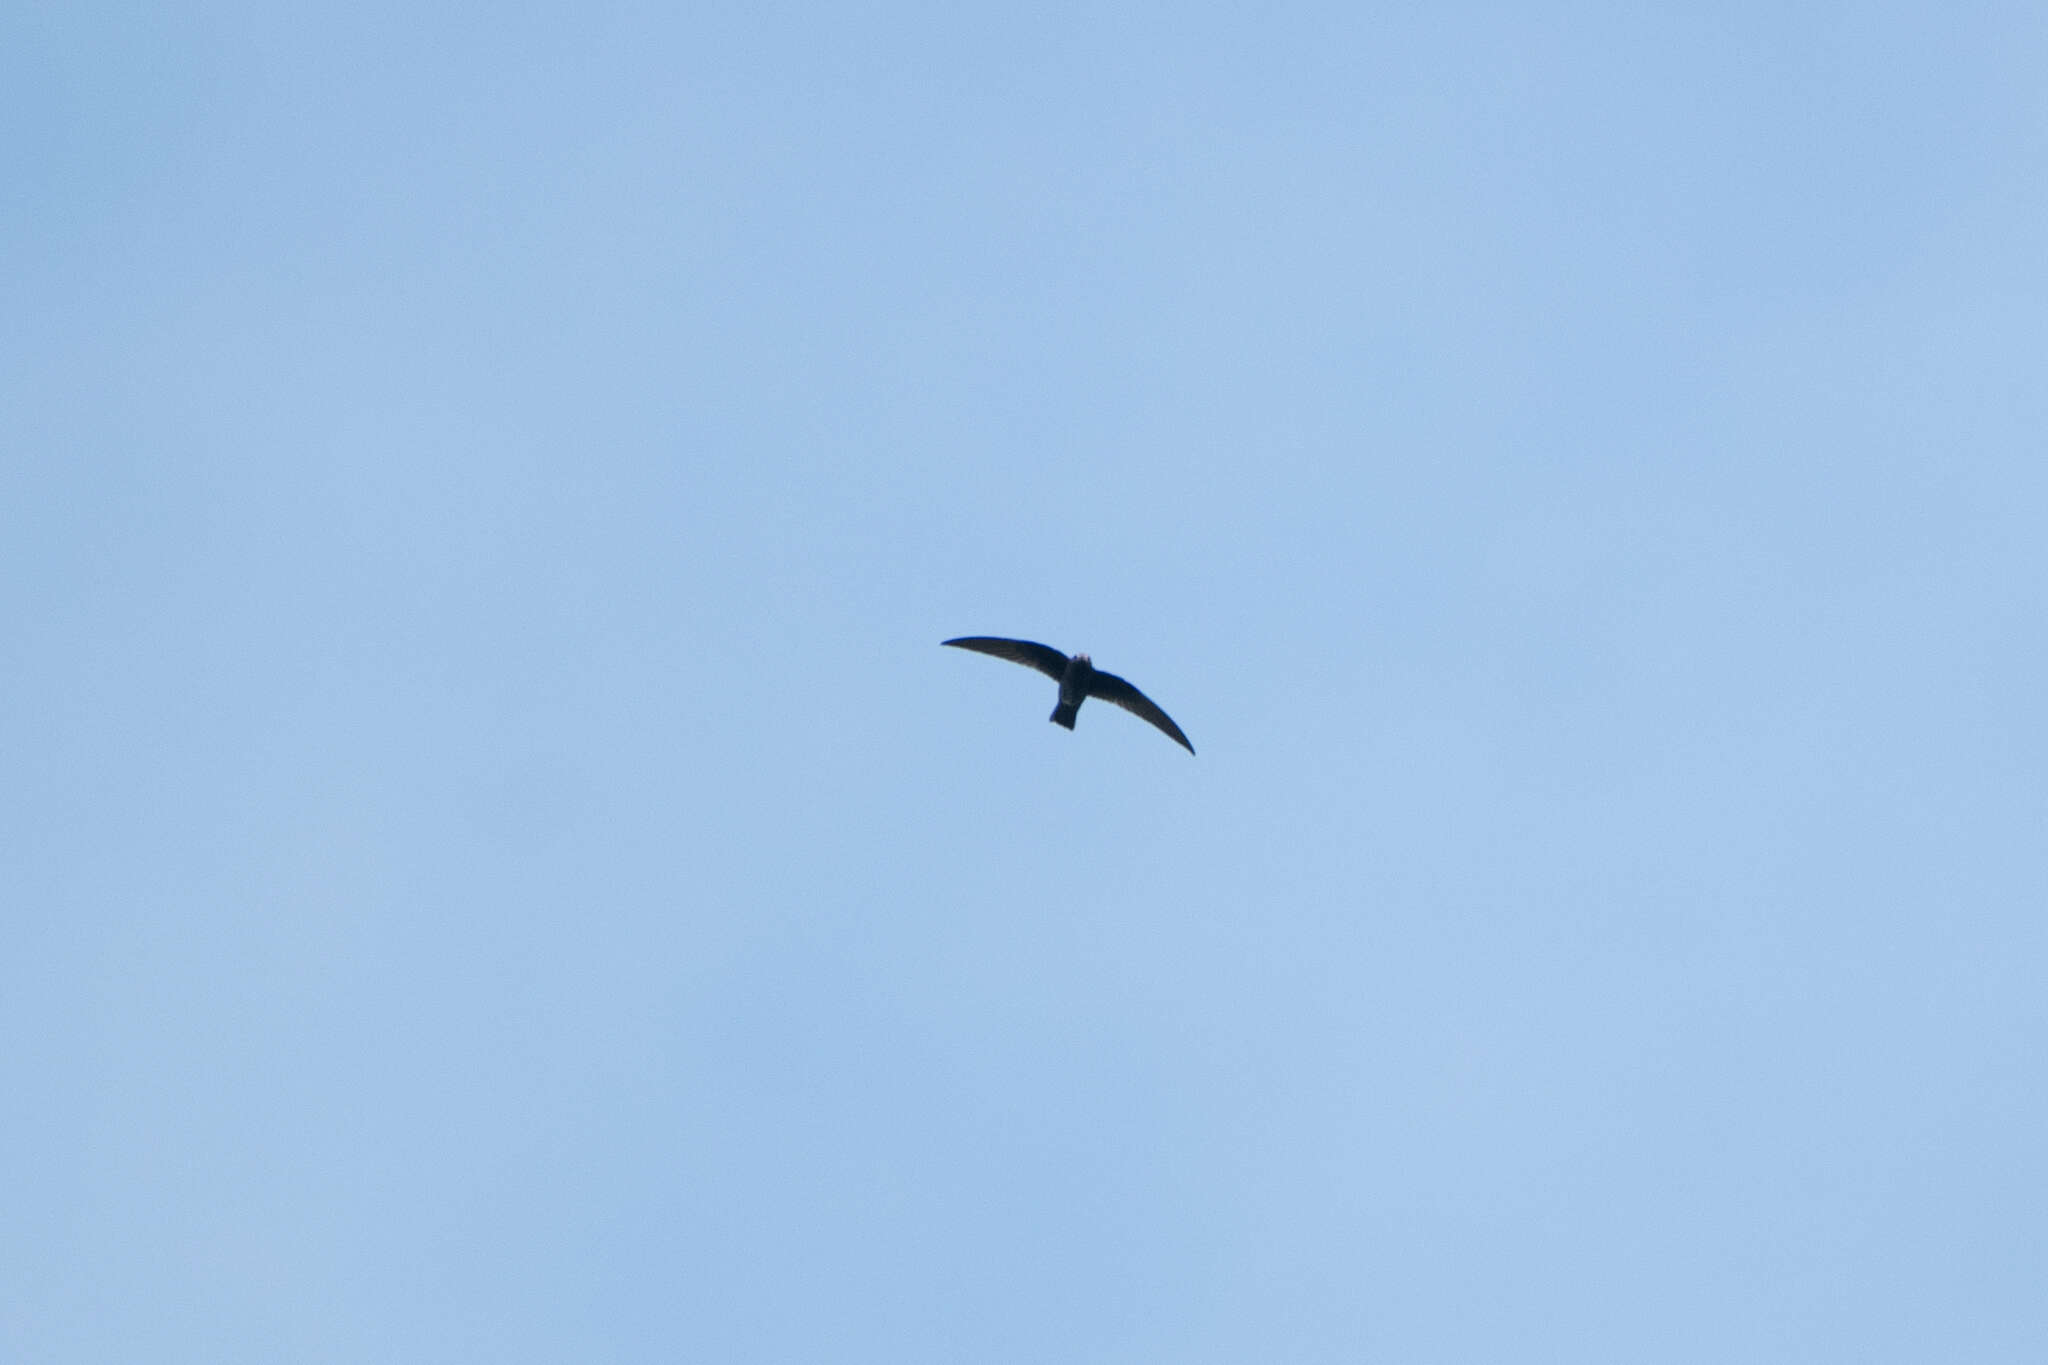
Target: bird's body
1073,690
1079,679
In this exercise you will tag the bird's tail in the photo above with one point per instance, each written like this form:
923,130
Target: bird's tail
1063,714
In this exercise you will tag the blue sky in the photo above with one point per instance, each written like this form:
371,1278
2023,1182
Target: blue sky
498,866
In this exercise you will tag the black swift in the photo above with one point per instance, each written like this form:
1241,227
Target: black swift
1078,679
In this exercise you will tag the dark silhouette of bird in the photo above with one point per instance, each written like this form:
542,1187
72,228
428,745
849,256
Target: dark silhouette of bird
1078,679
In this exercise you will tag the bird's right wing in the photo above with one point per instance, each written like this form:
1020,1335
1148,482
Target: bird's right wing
1044,658
1117,692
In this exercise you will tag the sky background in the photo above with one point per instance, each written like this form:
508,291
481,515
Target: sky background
494,864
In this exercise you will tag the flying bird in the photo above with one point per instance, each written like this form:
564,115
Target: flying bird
1078,679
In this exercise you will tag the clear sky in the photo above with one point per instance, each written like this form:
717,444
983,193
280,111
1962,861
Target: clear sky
495,865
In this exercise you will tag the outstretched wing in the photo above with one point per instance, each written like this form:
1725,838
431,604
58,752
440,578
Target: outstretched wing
1116,691
1044,658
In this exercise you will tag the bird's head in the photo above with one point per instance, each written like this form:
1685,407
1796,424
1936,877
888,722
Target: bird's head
1084,658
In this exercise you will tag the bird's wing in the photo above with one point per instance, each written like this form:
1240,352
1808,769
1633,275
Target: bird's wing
1116,691
1044,658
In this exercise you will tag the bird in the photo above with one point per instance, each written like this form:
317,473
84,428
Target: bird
1079,679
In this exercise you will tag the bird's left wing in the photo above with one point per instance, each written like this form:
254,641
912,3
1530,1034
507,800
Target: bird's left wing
1029,653
1117,692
